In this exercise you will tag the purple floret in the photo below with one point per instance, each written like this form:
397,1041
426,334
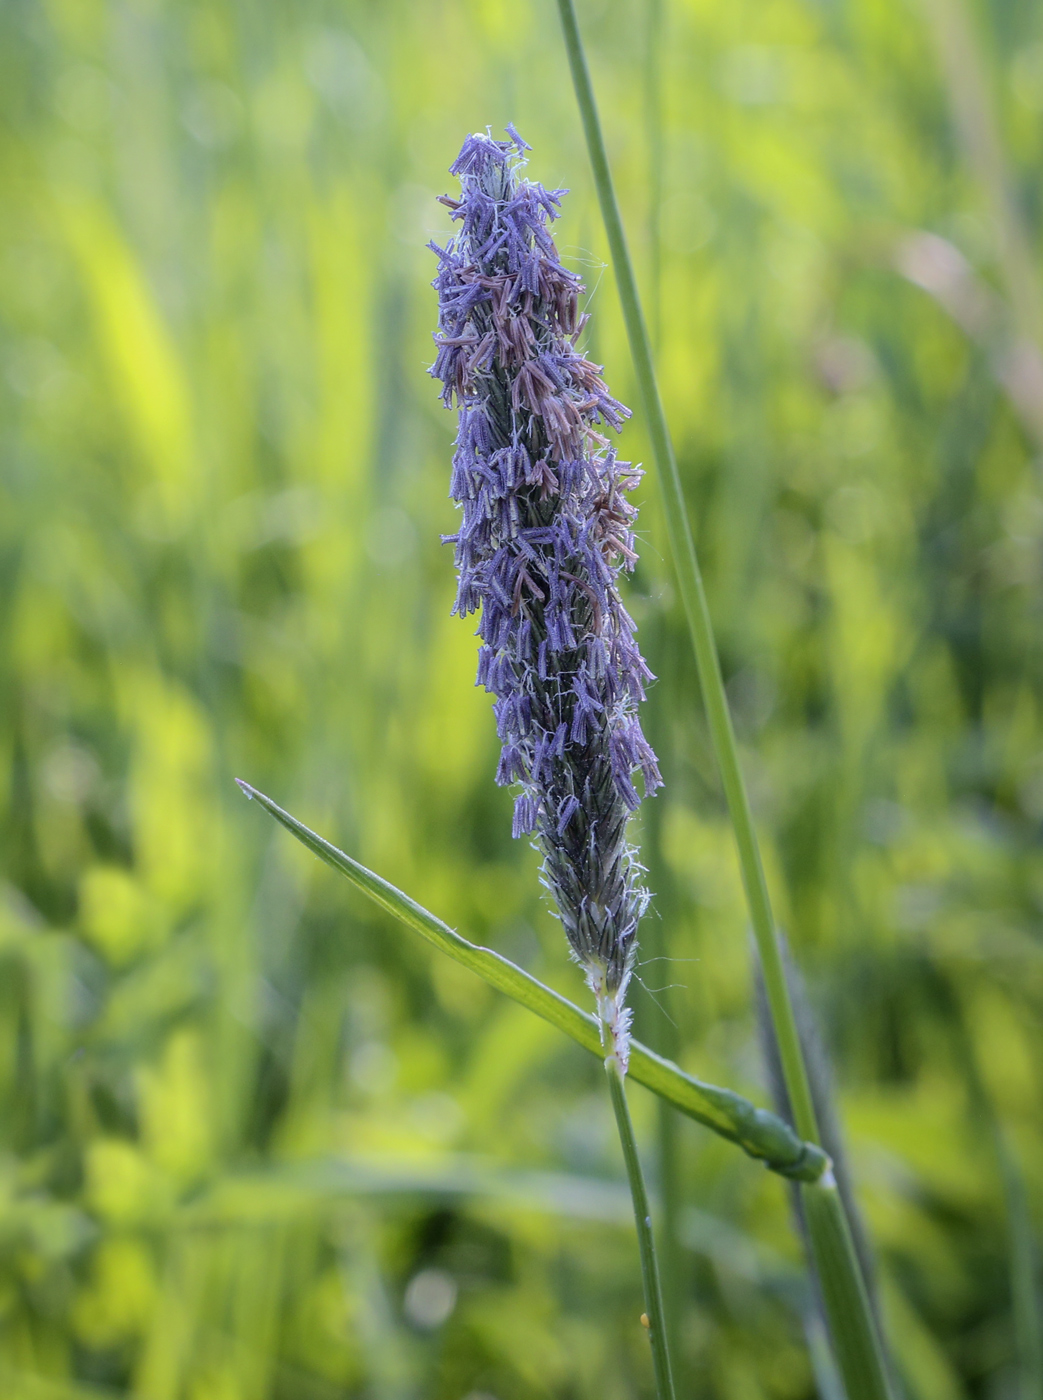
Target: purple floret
546,531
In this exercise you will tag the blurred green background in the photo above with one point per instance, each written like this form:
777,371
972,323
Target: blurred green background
258,1141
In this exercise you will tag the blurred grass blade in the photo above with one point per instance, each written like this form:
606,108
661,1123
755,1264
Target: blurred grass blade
961,60
1022,1261
1024,1268
820,1076
937,266
653,114
27,1385
759,1133
851,1325
275,1193
823,1365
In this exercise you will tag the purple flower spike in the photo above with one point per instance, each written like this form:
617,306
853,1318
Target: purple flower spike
546,531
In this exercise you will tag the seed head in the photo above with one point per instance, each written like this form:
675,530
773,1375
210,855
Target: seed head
547,528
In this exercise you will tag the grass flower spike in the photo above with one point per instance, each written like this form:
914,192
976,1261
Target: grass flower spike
546,531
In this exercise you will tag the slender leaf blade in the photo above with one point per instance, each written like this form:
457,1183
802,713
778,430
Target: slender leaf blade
757,1131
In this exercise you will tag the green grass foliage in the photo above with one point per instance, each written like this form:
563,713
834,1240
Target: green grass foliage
257,1140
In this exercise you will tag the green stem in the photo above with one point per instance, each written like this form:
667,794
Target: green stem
646,1239
670,1252
849,1313
851,1323
693,596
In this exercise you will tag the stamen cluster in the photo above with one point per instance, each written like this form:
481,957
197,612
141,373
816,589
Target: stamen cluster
546,531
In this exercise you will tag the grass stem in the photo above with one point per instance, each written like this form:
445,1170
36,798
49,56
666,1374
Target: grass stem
656,1318
849,1313
851,1322
693,594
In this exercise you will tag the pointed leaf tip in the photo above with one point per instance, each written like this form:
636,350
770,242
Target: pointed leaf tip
248,792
